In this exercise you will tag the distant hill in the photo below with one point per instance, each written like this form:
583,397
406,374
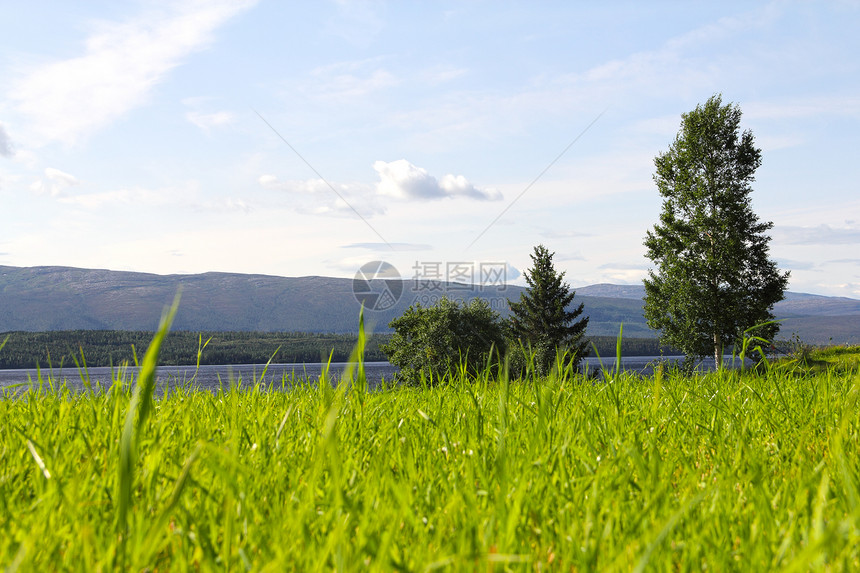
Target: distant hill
37,299
604,290
814,318
62,298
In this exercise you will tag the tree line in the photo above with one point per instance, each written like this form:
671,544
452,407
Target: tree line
114,347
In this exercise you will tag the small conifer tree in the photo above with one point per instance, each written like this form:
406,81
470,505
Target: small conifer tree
542,320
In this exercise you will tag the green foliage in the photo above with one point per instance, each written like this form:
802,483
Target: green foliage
714,279
429,342
831,360
139,409
541,322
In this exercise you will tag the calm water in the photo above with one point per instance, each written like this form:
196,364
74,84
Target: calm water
208,377
645,364
215,377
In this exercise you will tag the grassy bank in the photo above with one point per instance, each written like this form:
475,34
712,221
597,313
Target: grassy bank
729,471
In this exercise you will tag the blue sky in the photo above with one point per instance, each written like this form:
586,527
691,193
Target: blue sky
309,138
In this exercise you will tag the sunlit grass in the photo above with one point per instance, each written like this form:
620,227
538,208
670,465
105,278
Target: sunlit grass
754,470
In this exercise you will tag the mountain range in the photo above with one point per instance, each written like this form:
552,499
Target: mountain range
63,298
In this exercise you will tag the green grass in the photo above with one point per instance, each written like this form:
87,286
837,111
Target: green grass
744,471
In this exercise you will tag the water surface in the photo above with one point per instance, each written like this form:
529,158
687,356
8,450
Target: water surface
213,377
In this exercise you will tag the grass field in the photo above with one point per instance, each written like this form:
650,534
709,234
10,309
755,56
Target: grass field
732,470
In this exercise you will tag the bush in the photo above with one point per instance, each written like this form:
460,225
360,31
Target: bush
434,340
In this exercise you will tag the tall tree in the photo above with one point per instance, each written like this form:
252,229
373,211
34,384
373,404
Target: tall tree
541,318
714,278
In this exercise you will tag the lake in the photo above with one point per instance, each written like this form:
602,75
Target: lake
213,377
209,377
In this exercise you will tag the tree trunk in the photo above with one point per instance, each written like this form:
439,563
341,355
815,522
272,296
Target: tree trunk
718,351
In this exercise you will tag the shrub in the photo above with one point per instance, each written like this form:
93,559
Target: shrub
434,340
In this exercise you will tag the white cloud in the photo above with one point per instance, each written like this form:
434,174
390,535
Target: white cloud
554,234
398,179
681,68
6,149
348,208
224,205
346,266
402,180
357,22
846,289
121,64
268,181
204,118
686,67
55,183
9,181
311,186
137,196
407,247
185,196
569,256
820,235
347,81
440,75
623,276
207,121
326,199
813,106
95,200
61,177
625,266
793,265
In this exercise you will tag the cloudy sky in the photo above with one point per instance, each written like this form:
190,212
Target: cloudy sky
307,138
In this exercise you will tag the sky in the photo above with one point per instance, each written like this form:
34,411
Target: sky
310,138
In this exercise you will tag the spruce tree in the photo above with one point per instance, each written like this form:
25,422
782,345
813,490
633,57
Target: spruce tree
714,278
541,319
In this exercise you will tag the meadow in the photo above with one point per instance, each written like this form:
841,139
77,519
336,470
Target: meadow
733,470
